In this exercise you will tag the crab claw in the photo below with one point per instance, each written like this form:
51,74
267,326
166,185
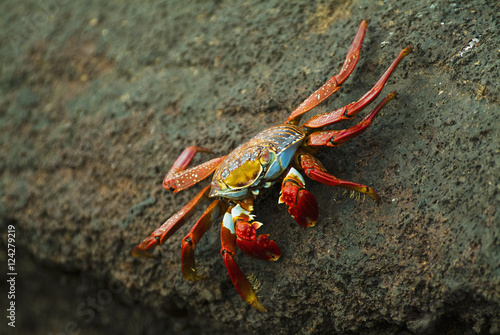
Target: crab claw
255,246
258,246
305,210
302,205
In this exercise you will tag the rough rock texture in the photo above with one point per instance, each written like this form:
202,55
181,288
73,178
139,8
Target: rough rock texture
98,99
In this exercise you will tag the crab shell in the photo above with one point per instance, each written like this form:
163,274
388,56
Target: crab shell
257,163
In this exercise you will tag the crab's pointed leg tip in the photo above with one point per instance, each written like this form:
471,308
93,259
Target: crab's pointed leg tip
311,223
142,253
143,249
259,307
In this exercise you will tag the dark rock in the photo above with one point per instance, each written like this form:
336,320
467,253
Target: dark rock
99,98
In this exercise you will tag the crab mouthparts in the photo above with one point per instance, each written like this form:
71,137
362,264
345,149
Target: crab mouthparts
215,189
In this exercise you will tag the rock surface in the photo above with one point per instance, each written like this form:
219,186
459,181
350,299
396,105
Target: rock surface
98,100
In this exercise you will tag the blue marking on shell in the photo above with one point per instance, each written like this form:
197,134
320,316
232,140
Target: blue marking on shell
282,162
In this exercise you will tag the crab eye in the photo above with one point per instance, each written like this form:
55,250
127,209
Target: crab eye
265,157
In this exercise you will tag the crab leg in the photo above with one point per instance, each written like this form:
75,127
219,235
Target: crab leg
335,138
178,178
302,205
170,226
349,111
333,84
228,249
315,170
212,213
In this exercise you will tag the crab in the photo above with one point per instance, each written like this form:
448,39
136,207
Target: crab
276,154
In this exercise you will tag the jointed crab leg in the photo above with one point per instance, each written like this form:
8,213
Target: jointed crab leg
178,178
335,138
212,213
184,159
349,111
240,281
314,169
333,84
171,225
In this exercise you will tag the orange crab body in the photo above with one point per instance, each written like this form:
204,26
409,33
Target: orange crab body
277,154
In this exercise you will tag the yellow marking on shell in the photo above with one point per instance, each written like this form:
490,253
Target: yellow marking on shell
244,175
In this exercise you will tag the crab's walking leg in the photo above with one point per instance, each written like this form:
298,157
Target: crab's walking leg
302,205
171,225
178,178
333,84
335,138
240,281
315,170
349,111
183,160
211,214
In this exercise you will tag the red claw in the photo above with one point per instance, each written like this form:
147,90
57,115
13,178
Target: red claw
305,211
302,205
260,246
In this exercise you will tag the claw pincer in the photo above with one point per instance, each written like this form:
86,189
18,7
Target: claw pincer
258,246
302,205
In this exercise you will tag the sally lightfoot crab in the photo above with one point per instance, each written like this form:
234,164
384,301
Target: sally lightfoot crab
275,154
